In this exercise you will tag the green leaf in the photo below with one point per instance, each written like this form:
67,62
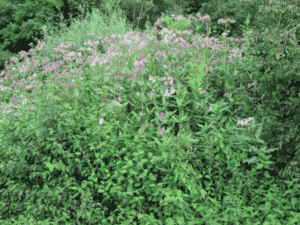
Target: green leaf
259,166
100,190
50,166
203,193
267,174
258,132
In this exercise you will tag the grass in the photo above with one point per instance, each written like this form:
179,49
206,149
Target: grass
128,134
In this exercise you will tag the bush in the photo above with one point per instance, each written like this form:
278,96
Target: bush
135,138
5,56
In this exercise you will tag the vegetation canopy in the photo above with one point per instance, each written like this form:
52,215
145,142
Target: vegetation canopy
182,119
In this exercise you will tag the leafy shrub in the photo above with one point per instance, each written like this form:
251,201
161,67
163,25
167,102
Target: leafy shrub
234,10
279,66
178,23
99,146
5,56
23,22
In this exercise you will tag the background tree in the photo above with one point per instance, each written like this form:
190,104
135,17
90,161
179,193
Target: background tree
22,22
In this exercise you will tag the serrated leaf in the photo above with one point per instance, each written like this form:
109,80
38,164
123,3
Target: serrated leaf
258,132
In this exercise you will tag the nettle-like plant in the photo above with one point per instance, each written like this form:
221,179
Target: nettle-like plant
176,23
182,24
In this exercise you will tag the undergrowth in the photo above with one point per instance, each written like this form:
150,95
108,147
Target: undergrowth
155,128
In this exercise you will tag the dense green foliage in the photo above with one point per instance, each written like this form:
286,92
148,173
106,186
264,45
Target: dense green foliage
165,133
19,22
23,22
